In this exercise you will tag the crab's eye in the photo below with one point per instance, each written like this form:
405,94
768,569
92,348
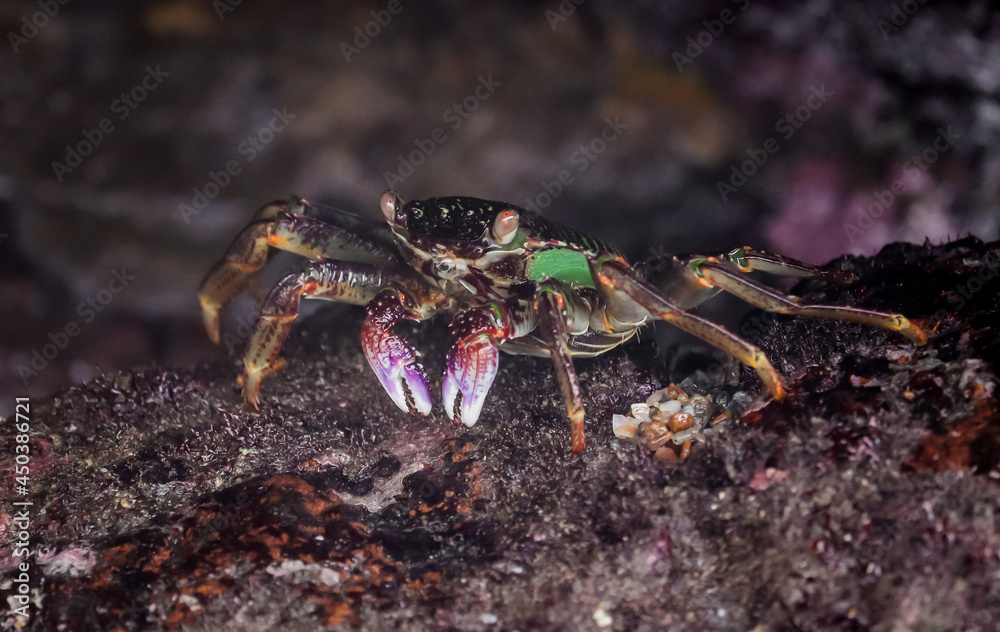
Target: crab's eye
505,226
389,204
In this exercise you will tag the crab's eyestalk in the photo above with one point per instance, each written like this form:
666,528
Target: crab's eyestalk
505,226
391,205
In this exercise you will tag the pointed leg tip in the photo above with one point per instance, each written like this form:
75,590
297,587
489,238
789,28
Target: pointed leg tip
251,394
777,389
576,430
212,328
773,385
210,317
914,333
252,377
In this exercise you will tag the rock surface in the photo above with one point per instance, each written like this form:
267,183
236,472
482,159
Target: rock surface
155,196
867,500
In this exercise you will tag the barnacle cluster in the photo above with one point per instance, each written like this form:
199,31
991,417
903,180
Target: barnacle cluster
668,422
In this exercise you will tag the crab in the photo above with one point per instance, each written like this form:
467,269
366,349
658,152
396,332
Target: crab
510,279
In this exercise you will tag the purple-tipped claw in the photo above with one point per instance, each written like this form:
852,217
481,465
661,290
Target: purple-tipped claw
395,364
472,365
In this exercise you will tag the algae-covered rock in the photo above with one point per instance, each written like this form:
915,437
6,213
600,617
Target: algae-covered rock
866,500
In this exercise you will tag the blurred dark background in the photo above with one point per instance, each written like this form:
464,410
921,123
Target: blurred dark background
116,118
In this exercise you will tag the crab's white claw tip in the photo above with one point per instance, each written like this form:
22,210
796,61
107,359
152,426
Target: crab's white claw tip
471,368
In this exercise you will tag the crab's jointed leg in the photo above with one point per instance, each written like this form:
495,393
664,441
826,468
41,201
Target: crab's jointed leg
279,225
614,276
694,278
391,357
748,259
729,278
354,283
561,313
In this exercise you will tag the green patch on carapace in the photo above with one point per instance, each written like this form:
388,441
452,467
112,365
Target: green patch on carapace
567,266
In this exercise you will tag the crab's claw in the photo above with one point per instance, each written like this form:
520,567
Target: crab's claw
392,358
472,366
395,364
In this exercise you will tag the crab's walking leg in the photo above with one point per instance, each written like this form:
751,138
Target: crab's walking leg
714,273
391,357
472,362
748,259
355,283
613,275
561,314
279,225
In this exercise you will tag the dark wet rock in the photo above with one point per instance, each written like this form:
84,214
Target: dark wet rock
866,500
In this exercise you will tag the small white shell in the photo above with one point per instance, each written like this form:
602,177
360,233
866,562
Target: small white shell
640,412
684,435
671,407
657,397
625,427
